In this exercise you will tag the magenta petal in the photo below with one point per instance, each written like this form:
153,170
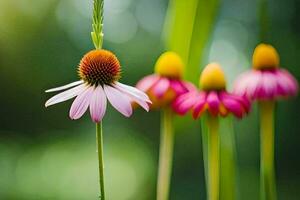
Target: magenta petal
233,106
243,100
98,104
147,82
286,83
268,86
185,103
118,100
81,103
161,87
213,102
178,87
198,107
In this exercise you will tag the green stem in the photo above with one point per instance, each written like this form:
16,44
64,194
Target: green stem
99,139
165,155
228,168
213,158
97,33
267,171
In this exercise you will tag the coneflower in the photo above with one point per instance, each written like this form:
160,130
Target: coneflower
214,101
163,87
99,71
266,83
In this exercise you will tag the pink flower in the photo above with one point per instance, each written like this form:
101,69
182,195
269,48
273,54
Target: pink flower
164,86
266,81
162,90
99,71
213,98
215,102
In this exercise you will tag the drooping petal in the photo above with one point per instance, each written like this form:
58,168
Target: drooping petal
233,106
161,87
118,100
248,84
65,86
200,105
213,102
178,86
147,82
243,100
268,87
81,103
287,84
135,95
253,84
66,95
98,104
184,103
132,91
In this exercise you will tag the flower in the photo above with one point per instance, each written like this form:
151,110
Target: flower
212,98
99,71
266,81
166,84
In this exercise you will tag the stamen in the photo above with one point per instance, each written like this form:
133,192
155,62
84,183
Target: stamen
265,57
212,78
99,67
170,65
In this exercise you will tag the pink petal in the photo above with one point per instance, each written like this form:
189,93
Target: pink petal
213,102
199,106
161,87
185,103
147,82
118,100
233,106
243,100
66,95
135,95
81,103
268,87
133,91
98,104
287,84
65,86
248,84
178,86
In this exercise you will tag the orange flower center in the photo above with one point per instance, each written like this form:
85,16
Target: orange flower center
99,67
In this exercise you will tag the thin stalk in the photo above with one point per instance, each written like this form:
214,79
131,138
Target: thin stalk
213,158
165,155
267,170
228,167
97,25
99,139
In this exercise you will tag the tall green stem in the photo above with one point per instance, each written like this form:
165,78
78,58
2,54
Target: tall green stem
267,171
165,155
97,33
99,139
213,158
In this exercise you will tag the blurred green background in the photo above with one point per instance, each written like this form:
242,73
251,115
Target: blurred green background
45,155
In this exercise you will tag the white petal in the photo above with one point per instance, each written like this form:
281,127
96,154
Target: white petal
136,95
66,95
132,90
65,86
81,103
98,104
118,100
